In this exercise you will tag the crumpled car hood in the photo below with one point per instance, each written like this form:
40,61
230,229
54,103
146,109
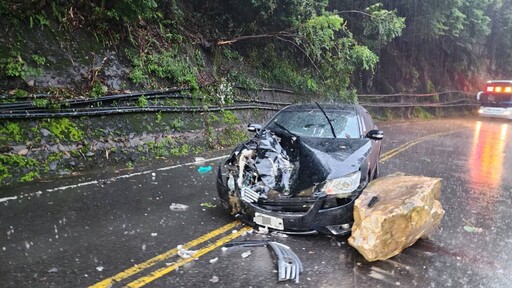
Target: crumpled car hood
335,157
289,164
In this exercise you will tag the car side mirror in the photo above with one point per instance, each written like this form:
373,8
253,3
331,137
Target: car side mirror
254,128
478,95
375,134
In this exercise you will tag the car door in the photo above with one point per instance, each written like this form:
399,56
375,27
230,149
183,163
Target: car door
368,125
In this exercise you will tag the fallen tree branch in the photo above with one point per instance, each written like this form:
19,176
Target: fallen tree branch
247,37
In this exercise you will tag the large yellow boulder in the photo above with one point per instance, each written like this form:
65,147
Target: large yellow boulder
393,212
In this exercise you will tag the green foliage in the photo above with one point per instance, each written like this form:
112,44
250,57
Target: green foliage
180,150
281,70
159,149
10,131
158,117
225,92
500,40
63,129
30,176
19,93
229,118
130,10
97,89
15,66
232,55
177,124
243,80
317,35
261,16
208,205
57,12
382,26
40,19
168,64
143,101
9,162
336,57
231,136
421,113
4,171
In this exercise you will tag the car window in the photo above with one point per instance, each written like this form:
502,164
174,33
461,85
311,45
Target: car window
367,121
312,123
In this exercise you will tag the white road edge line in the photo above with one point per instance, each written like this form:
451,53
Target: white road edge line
6,199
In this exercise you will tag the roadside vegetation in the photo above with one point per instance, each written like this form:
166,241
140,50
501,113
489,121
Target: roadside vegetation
52,51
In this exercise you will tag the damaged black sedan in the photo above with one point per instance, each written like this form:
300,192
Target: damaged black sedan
303,170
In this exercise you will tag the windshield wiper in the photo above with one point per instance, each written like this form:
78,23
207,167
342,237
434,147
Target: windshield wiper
282,127
328,120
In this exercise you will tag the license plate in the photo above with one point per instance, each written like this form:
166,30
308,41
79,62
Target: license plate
268,221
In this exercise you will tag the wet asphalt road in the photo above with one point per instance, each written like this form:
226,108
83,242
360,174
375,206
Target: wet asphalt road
78,231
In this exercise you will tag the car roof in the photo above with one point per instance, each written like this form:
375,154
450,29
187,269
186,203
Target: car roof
499,81
325,106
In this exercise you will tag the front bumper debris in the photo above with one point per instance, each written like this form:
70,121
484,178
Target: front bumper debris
289,265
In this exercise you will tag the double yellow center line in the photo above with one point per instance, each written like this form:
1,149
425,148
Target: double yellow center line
108,282
173,252
391,153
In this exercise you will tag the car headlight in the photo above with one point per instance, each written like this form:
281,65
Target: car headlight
344,186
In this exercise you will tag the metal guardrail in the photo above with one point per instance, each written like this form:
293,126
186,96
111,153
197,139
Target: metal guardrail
411,100
27,108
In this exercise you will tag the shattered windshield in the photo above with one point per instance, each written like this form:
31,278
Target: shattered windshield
312,123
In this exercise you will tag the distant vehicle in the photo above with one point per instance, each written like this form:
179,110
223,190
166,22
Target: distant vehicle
302,171
496,99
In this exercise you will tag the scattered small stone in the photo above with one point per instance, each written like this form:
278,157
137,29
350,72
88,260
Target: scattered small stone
23,152
246,254
45,132
178,207
214,260
214,279
53,270
184,253
53,148
262,230
279,234
89,154
53,165
99,268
